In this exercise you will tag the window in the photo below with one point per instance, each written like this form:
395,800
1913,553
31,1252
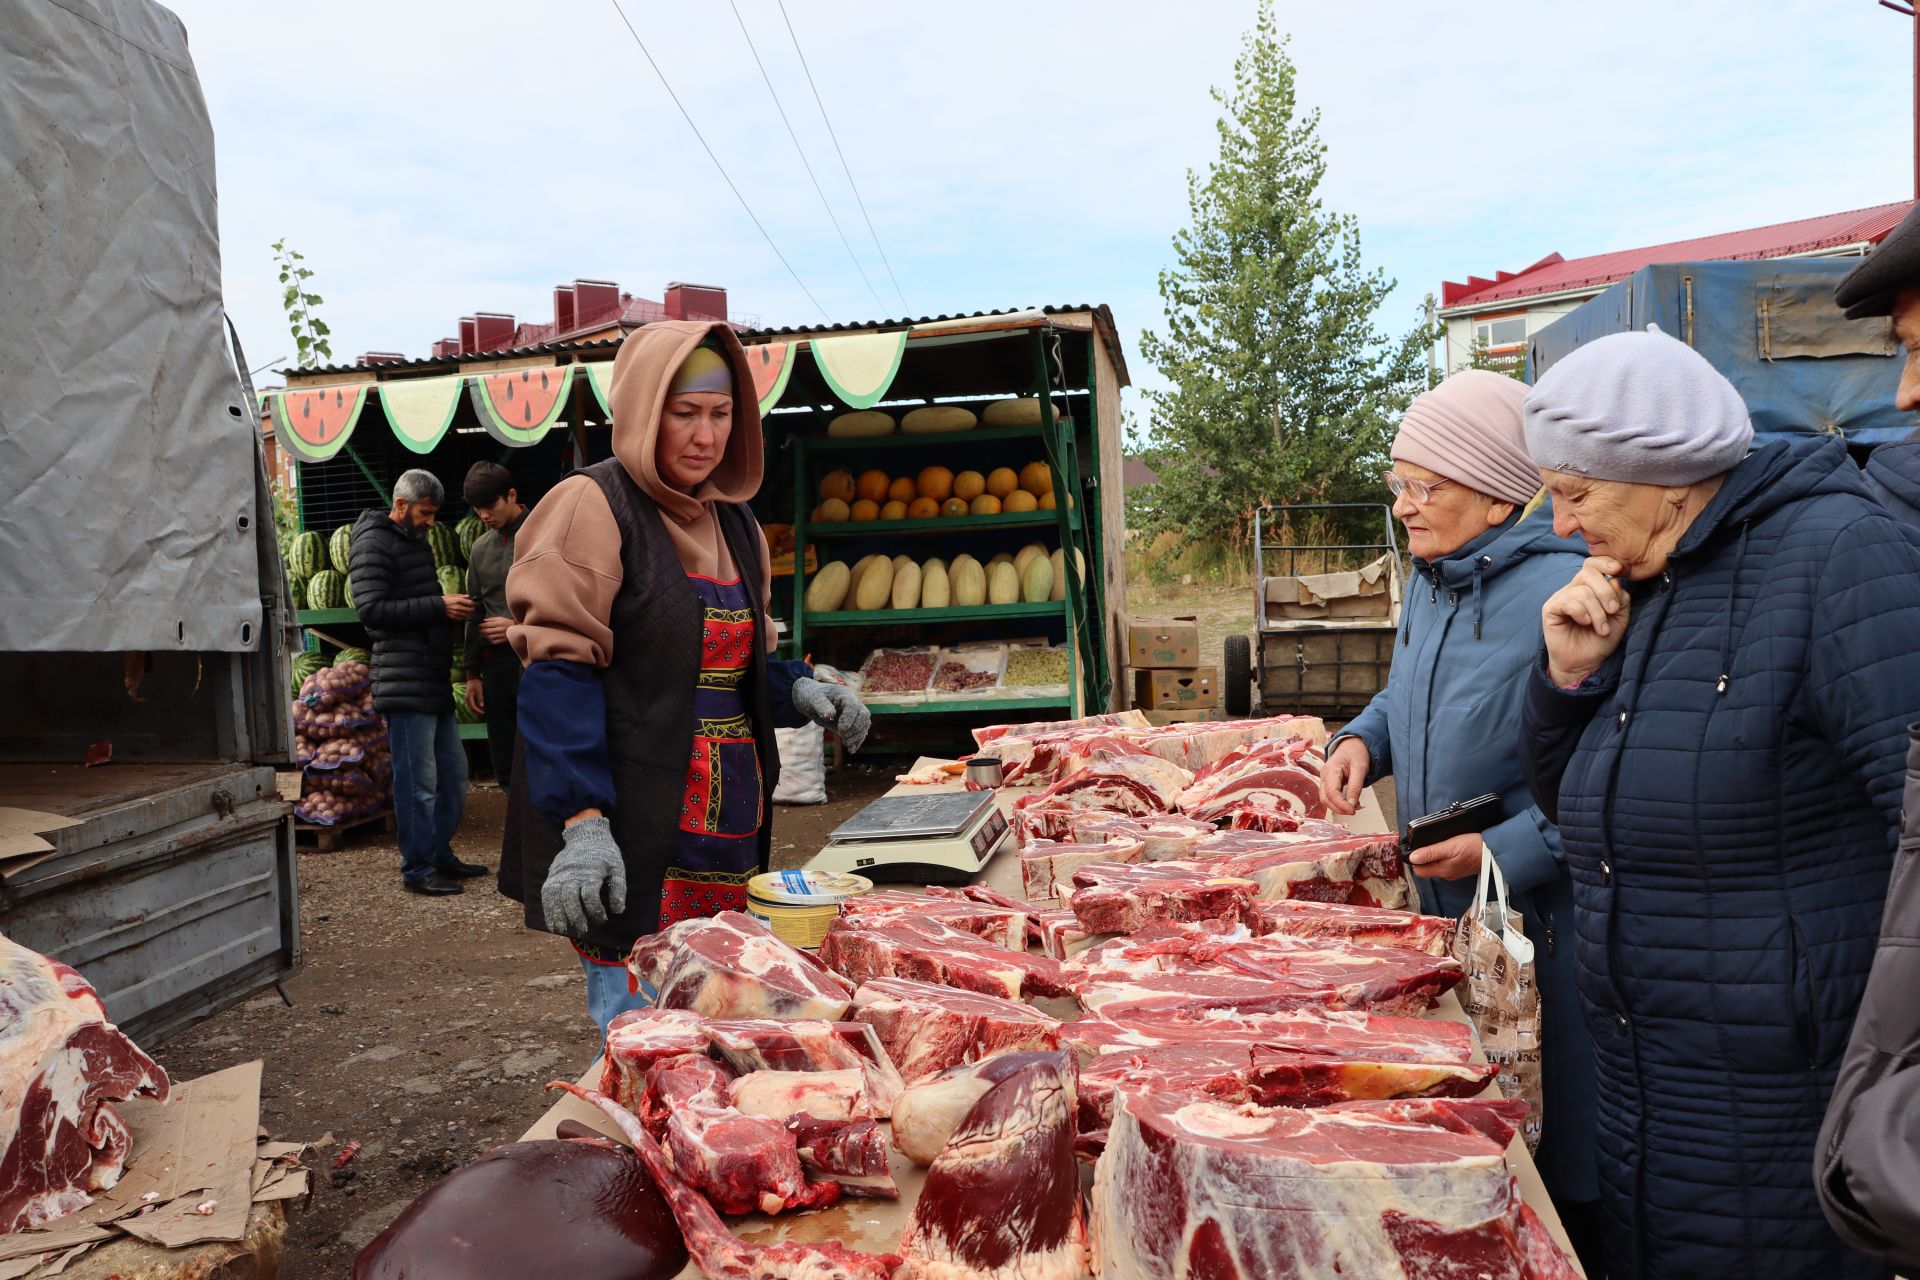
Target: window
1507,331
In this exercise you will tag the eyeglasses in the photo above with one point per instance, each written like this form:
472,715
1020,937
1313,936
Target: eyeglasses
1419,490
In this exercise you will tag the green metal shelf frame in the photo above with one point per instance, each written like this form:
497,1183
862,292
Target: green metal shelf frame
953,613
931,525
962,706
325,617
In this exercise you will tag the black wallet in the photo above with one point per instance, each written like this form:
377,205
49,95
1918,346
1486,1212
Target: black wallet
1459,819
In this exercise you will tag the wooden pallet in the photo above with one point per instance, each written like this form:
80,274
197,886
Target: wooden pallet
328,839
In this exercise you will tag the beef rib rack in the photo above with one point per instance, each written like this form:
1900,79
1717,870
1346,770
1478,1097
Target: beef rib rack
731,966
928,951
1195,1188
62,1067
927,1028
1117,898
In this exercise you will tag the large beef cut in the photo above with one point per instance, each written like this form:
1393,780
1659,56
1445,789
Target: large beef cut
1162,836
1047,867
731,966
1374,926
740,1162
62,1067
519,1209
1004,926
1062,936
1195,1188
1362,870
782,1095
931,1110
929,951
851,1154
1122,781
1335,1033
641,1037
927,1028
1115,898
1267,785
719,1253
1002,1200
766,1044
1049,752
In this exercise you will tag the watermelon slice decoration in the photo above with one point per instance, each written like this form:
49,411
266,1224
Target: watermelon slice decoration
518,407
421,409
772,365
600,378
859,367
314,425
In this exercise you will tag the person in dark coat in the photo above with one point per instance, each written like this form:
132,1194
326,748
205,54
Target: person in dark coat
1717,726
493,668
411,623
1446,727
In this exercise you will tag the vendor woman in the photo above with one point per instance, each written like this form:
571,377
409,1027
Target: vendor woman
641,586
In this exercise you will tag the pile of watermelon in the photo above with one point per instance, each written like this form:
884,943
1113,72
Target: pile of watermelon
318,567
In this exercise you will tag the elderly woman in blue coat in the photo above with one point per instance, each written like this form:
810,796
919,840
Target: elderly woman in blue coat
1447,726
1718,725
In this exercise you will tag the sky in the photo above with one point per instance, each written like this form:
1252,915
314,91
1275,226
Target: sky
433,158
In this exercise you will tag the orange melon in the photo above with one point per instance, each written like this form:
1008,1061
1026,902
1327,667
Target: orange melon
954,507
1046,501
985,505
1002,481
837,484
902,490
969,485
1018,500
872,485
1036,478
864,509
893,510
922,509
833,511
935,483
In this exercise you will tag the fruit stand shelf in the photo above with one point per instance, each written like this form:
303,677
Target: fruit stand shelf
862,444
325,617
817,532
954,613
937,706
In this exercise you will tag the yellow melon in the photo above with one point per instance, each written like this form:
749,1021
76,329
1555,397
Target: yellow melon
969,485
833,511
935,483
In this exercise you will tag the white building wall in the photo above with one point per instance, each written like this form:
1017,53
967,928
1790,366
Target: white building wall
1459,341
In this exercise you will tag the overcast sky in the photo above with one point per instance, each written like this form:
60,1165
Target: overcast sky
433,158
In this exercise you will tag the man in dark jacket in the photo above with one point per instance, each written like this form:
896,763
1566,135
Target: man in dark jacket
411,624
493,669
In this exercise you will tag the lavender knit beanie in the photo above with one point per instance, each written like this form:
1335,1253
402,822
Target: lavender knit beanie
1640,407
1468,429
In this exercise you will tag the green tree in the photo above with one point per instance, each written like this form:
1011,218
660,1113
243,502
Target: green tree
1283,388
309,330
1480,356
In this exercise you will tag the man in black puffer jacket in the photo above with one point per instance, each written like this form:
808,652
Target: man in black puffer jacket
412,625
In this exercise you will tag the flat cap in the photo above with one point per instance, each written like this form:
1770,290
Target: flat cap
1870,288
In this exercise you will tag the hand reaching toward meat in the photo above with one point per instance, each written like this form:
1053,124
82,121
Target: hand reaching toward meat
1345,775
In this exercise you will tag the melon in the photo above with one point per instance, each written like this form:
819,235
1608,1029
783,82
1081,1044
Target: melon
954,507
1003,584
873,486
304,665
308,557
1024,557
468,531
1059,589
838,484
894,510
461,711
297,588
863,510
828,590
1021,411
906,586
1036,478
326,590
444,545
519,405
1036,580
346,590
969,485
875,586
860,566
1005,557
933,419
1002,481
935,592
968,582
985,505
340,547
362,656
860,424
452,581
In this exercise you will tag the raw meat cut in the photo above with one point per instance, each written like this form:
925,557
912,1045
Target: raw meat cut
1162,836
1125,782
1115,898
927,1028
1047,753
641,1037
1372,925
62,1067
731,966
517,1208
931,1110
782,1095
928,951
1002,733
765,1044
1002,1201
740,1162
1000,925
1266,785
1047,867
1192,1188
1496,1119
1061,934
851,1154
719,1253
1343,869
1336,1033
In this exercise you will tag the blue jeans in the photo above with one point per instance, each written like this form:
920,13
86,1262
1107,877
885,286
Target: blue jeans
607,994
429,788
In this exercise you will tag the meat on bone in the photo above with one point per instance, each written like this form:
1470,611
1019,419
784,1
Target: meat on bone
731,966
62,1066
1123,781
1000,925
931,1110
1002,1200
851,1154
719,1253
927,1028
782,1095
1117,898
1374,926
1338,1033
1163,837
742,1163
1047,753
1196,1188
1047,867
639,1038
1337,869
1061,934
929,951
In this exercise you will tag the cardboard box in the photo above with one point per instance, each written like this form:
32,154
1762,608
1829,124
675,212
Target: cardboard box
1185,689
1161,718
1163,642
1369,595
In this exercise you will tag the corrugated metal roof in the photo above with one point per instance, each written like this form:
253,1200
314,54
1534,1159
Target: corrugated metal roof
453,362
904,322
1783,239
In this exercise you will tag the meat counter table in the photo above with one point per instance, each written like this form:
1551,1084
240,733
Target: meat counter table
874,1226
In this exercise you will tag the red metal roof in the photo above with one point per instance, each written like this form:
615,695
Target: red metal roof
1553,273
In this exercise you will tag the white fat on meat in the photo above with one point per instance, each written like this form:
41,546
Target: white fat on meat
731,966
1047,867
782,1095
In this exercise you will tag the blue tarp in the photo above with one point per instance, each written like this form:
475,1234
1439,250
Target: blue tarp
1772,328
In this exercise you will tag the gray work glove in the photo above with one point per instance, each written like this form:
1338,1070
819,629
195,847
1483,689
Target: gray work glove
833,706
589,864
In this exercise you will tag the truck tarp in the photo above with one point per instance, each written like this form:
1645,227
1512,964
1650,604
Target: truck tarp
114,360
1771,327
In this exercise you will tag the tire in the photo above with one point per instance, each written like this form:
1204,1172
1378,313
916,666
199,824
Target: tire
1236,674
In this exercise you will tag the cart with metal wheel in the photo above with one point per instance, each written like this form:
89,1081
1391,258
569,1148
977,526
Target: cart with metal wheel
1331,663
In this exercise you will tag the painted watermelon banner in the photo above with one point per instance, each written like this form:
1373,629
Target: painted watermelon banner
421,409
772,366
518,407
859,367
600,379
314,425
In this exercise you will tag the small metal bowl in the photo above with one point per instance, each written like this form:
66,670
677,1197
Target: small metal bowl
984,771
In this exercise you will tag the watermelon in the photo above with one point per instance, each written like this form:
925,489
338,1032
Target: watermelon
298,586
326,589
340,546
459,664
461,711
445,545
468,531
309,555
452,581
360,656
304,665
346,590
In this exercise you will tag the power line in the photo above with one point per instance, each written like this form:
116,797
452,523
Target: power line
837,151
802,154
716,162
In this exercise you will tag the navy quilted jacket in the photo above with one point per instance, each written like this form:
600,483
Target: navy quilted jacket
1893,476
1728,794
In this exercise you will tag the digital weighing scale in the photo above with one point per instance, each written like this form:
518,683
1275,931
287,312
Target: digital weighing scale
942,837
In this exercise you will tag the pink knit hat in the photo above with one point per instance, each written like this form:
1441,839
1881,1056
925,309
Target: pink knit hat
1469,429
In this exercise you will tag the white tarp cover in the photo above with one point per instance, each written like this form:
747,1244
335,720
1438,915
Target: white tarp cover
126,449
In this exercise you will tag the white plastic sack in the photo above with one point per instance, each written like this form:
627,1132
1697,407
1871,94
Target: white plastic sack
803,765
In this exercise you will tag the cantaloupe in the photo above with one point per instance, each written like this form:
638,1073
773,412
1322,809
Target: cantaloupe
934,418
1046,501
863,510
902,490
1036,580
954,507
1021,411
1019,500
838,484
968,582
893,510
969,485
906,585
828,590
935,483
985,505
1036,478
1058,591
862,422
875,586
1003,584
1005,557
1002,481
1024,557
834,511
935,590
922,509
860,566
872,485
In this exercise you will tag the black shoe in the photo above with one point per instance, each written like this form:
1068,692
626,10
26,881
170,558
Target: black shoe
462,870
436,885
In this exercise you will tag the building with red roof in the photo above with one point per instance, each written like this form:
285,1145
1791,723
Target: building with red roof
1503,312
